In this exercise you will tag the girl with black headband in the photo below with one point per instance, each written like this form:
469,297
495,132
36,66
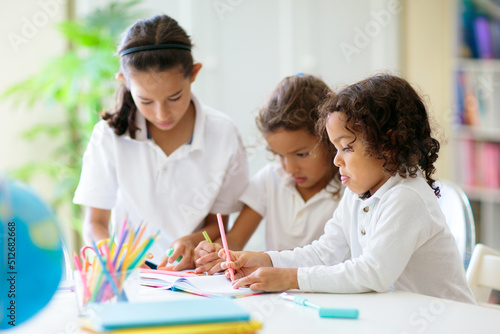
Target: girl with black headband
160,155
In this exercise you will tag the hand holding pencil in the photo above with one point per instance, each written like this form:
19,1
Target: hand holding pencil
224,244
244,263
207,256
255,271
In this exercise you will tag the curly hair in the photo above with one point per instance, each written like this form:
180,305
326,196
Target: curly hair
160,29
293,105
391,119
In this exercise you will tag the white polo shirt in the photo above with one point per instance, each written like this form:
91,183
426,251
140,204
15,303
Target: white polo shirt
398,238
289,221
173,193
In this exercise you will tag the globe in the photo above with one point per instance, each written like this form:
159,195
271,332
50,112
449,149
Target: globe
30,253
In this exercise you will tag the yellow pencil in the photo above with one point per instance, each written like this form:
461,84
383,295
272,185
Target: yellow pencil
207,237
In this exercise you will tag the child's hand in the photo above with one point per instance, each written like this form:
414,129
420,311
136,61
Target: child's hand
244,263
182,247
205,249
207,257
270,279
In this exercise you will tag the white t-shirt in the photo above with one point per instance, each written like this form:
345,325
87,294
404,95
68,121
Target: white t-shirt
174,194
289,221
398,238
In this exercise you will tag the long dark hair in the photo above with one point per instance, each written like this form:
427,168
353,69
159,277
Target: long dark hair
160,29
393,123
293,105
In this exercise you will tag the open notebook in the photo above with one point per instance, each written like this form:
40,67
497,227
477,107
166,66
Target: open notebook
202,285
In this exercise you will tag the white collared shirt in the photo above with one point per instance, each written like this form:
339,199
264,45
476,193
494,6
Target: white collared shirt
398,238
172,193
289,221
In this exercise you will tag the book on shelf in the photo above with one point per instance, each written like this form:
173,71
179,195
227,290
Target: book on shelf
471,112
468,162
479,164
480,32
495,38
490,162
475,98
469,47
217,285
460,99
483,36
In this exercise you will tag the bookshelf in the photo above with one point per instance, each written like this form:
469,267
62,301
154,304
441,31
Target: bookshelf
476,114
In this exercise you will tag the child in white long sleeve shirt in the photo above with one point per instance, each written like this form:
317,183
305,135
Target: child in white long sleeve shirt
388,231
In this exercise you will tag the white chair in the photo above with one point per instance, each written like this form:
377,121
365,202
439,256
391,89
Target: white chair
483,274
457,210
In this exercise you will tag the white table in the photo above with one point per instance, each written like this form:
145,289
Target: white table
393,312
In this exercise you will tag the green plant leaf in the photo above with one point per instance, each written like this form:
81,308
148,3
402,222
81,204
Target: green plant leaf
80,83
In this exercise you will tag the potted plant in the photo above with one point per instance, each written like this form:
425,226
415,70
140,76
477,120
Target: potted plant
81,83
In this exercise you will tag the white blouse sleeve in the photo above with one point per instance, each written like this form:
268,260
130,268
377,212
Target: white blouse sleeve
235,180
256,194
98,184
331,248
401,229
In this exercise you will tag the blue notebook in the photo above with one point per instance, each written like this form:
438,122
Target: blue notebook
174,312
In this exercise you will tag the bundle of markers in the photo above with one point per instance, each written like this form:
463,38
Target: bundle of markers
105,266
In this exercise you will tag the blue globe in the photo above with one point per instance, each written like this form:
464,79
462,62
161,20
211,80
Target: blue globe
30,253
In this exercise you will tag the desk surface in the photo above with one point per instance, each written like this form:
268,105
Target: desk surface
393,312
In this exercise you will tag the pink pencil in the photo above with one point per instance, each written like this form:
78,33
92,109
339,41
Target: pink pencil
224,243
86,292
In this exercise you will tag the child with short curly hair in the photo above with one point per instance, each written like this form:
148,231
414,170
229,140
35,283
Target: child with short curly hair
388,231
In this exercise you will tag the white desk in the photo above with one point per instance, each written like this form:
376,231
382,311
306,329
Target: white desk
393,312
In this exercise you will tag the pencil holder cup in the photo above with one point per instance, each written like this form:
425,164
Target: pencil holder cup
96,288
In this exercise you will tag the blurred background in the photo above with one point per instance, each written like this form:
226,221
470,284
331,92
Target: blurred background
58,65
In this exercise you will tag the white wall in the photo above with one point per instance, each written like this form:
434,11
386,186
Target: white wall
27,41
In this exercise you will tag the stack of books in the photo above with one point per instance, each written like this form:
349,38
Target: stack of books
204,315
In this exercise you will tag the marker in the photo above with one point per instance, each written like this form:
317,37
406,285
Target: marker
170,251
224,243
350,313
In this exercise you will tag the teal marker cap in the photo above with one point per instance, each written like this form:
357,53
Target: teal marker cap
169,253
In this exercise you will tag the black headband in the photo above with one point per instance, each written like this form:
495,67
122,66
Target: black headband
155,47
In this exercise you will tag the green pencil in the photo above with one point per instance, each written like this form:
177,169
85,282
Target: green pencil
207,237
